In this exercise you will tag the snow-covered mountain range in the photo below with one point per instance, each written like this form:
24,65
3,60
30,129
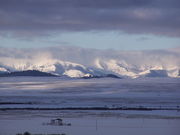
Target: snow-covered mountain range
81,62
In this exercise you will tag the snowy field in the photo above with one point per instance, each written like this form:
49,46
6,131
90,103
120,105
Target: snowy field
126,106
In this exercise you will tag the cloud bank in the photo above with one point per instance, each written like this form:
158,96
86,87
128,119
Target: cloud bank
37,17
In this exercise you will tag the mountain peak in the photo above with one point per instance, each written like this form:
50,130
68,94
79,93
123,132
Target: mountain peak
79,62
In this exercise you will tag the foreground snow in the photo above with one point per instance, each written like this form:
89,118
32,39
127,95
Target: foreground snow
19,93
86,123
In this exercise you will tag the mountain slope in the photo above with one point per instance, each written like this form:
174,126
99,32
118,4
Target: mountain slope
80,62
26,73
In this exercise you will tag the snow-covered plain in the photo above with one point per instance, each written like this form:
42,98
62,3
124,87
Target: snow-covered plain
55,93
87,125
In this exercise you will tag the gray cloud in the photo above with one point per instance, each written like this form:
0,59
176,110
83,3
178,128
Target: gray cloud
29,17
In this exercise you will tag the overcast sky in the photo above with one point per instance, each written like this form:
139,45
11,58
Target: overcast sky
118,24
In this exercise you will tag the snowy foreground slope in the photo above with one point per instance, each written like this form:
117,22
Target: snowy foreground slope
80,62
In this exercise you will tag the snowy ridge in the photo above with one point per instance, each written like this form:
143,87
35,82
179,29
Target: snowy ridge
80,62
